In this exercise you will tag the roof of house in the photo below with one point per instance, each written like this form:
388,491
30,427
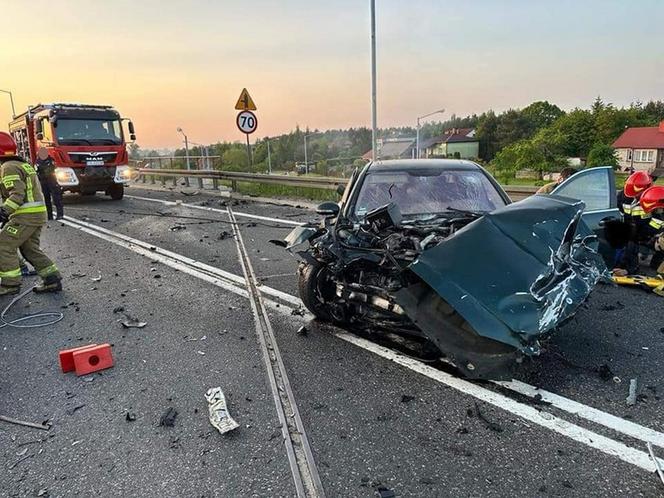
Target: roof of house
648,137
451,136
392,148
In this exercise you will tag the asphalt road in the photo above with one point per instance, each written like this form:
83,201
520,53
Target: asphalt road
370,421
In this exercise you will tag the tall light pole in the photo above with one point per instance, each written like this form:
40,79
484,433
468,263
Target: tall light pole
417,139
269,159
186,151
306,163
374,126
11,99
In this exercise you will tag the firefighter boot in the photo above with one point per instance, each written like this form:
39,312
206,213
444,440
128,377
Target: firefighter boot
9,290
51,283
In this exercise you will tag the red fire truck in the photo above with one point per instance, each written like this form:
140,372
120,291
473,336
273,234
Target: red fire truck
87,144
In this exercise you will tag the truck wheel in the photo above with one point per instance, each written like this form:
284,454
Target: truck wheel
116,191
316,289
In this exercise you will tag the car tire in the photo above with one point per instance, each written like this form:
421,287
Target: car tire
312,278
116,191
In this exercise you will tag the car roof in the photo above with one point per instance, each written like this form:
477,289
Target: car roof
422,164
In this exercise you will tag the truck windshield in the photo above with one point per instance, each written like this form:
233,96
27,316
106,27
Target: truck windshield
426,194
88,132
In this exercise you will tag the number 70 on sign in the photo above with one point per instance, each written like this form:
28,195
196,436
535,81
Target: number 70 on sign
247,122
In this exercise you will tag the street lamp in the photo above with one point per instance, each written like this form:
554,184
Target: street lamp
11,98
306,163
374,125
269,159
186,151
417,140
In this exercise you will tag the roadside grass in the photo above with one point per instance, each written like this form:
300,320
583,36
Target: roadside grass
267,190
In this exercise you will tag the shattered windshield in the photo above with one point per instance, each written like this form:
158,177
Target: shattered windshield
423,193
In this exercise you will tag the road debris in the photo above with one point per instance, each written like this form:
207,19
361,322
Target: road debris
298,312
78,275
43,492
118,309
489,424
605,372
660,473
177,227
44,427
168,418
132,322
218,411
302,331
13,465
74,409
631,397
130,417
189,194
96,279
383,492
407,399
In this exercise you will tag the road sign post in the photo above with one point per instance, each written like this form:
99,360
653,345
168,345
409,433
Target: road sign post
246,120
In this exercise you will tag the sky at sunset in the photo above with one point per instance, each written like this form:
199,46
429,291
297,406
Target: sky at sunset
183,63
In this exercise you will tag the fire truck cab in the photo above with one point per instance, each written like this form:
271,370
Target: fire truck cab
86,142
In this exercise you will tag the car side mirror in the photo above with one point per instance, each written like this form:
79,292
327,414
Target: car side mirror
328,209
132,132
132,137
341,189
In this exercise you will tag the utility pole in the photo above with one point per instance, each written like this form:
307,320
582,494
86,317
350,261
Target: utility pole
269,159
306,163
417,139
11,99
374,126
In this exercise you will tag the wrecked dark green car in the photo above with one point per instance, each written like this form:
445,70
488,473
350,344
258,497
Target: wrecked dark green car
435,249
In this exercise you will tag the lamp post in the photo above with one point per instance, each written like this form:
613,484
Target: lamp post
11,99
186,151
374,126
269,158
417,140
306,163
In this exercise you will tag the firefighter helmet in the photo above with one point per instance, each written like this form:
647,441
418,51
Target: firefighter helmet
7,145
652,199
637,183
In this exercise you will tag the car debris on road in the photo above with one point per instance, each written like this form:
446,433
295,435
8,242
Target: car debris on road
219,416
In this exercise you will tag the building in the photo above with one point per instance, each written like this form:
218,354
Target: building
641,149
457,142
393,148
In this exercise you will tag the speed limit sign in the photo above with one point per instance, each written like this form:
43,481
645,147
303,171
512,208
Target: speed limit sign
247,122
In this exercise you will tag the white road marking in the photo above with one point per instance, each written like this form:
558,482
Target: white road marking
231,282
206,208
618,424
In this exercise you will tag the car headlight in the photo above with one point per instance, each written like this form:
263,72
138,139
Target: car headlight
66,177
122,174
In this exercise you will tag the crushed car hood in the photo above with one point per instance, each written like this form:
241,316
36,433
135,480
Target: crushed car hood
517,272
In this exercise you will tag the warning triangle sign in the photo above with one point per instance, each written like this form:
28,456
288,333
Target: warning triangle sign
245,102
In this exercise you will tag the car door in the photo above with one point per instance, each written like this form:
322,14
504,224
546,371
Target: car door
596,187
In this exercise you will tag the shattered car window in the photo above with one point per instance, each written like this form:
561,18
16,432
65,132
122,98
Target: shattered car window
425,193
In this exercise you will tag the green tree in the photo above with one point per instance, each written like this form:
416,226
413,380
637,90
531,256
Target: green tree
602,154
235,159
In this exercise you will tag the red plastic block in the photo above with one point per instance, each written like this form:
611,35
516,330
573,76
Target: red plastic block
93,359
67,357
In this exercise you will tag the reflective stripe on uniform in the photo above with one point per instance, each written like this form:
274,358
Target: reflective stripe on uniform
28,169
11,205
49,270
10,273
657,224
31,207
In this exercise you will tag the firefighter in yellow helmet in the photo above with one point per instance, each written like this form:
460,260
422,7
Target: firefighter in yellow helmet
22,214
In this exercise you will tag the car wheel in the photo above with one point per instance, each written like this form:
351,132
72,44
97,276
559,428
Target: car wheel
316,290
116,191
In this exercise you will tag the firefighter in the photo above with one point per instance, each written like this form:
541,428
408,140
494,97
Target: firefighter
22,214
652,202
636,219
49,185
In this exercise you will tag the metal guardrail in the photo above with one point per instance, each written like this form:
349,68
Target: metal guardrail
320,182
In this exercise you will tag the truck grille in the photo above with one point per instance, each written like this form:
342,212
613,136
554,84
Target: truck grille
85,157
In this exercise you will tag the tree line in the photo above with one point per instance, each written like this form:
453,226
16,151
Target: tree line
539,137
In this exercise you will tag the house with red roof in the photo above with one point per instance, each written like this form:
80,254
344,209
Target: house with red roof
641,149
457,142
